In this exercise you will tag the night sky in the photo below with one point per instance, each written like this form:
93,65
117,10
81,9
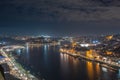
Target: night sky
59,17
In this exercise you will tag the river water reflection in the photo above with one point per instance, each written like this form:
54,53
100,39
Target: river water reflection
46,61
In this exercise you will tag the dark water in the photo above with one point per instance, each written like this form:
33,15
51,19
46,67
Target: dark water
46,61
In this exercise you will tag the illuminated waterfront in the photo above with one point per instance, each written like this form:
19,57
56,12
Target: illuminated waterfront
46,61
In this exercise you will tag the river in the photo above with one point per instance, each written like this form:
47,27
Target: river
46,61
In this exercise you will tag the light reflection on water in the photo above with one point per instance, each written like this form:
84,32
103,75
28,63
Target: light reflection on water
119,74
53,65
45,54
64,63
27,52
90,70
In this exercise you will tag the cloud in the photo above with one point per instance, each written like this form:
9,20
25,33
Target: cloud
61,10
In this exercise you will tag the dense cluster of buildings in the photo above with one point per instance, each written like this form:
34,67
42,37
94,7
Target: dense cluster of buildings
107,46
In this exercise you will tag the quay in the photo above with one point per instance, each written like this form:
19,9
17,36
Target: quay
79,56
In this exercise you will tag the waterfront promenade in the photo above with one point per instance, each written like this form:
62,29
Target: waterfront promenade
15,68
99,60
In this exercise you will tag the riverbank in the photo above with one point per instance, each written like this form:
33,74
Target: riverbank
23,70
79,56
16,69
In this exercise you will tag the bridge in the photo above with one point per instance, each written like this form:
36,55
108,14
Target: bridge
13,47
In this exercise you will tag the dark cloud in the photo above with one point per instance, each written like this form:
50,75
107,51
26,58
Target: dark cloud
60,16
62,10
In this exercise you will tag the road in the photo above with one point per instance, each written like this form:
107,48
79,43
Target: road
16,69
